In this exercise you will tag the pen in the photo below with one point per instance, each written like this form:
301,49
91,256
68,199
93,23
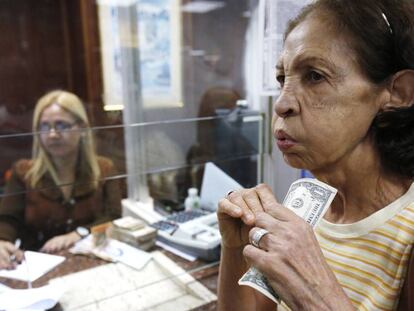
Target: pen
17,244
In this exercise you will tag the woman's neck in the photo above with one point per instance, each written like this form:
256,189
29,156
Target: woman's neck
363,187
66,168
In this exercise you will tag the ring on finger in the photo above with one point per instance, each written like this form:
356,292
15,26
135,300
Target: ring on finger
257,236
228,193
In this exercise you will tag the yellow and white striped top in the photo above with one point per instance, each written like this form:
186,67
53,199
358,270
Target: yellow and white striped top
370,257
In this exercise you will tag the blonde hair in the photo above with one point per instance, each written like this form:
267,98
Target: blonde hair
87,158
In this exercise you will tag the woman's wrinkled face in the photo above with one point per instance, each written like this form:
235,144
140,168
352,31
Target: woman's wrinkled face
60,133
326,104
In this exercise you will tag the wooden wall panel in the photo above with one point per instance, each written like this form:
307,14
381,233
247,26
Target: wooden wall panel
44,45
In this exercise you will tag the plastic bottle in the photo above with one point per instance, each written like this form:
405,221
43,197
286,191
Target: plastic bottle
192,202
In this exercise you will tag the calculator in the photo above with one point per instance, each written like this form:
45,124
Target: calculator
194,232
185,216
164,225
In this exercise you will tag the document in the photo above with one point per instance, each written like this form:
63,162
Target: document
3,287
114,251
41,298
35,265
175,251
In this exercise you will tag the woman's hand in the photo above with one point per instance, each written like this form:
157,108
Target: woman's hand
236,217
10,255
60,242
290,257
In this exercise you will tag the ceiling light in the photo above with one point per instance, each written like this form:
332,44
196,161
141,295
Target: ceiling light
201,7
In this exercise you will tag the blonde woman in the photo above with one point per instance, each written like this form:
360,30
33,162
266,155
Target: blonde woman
54,198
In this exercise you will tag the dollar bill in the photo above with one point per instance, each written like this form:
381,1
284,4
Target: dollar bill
308,198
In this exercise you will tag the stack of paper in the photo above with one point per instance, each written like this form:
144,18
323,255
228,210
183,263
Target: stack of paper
133,232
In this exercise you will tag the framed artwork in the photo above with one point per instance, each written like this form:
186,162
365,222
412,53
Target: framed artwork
159,27
110,56
157,37
273,18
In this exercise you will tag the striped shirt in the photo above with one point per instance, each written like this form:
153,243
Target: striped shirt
370,257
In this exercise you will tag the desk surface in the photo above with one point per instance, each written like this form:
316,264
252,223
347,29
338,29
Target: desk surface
205,273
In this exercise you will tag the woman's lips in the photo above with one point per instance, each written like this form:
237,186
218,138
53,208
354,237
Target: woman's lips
284,141
55,146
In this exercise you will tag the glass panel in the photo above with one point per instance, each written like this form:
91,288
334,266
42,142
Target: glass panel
162,87
175,152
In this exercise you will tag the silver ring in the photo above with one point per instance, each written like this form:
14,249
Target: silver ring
257,236
228,193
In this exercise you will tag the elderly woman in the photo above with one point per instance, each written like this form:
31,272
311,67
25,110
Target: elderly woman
345,112
53,199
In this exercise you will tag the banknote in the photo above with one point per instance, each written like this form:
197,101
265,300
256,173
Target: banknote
308,198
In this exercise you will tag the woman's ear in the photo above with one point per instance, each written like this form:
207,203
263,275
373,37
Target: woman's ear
401,90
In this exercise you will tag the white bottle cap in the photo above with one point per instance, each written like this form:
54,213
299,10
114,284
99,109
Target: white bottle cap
241,103
192,191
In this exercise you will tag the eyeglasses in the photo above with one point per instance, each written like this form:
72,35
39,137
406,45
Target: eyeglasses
58,126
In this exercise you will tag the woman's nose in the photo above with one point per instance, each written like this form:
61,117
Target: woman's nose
53,133
286,105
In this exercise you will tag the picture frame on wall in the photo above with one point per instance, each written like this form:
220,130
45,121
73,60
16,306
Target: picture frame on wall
110,39
157,38
159,26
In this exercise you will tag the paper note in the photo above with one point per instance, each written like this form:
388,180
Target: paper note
127,254
175,251
3,287
41,298
113,250
308,198
35,265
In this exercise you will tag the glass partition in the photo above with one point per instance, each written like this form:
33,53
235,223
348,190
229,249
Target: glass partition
180,148
176,153
112,106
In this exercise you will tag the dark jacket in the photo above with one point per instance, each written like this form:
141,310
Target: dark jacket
36,215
